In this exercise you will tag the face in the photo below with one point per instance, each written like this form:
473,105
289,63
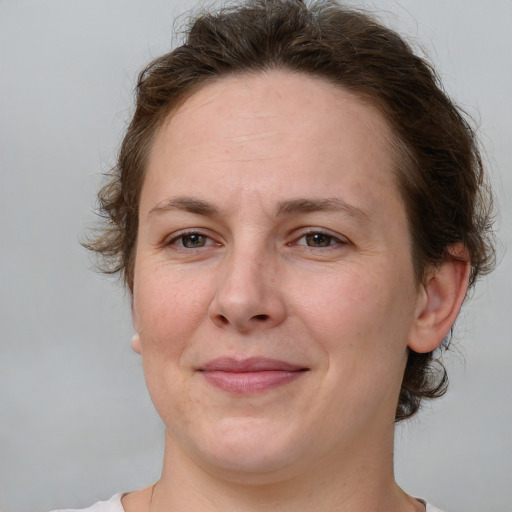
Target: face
274,291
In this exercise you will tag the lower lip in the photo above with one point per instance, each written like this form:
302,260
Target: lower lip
250,382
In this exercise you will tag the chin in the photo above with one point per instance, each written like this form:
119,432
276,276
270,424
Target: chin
250,450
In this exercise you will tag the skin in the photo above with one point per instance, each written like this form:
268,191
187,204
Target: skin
271,226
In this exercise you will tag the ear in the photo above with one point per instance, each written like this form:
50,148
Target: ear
136,343
136,337
440,300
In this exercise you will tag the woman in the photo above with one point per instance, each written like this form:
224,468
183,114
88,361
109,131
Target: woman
298,212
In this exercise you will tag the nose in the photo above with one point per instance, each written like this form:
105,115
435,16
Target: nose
248,296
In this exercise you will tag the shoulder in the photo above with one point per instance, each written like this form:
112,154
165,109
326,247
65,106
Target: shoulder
111,505
428,506
431,508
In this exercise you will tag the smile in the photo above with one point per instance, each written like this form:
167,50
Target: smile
250,375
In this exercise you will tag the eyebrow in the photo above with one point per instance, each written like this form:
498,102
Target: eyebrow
284,208
333,204
187,204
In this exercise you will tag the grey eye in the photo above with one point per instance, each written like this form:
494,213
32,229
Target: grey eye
318,240
193,240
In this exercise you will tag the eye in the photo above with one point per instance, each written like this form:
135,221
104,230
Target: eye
191,240
319,239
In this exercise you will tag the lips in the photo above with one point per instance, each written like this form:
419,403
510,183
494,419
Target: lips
250,375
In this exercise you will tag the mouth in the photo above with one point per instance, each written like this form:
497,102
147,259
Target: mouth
252,375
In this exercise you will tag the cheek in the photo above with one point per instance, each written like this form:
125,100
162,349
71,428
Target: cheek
362,330
167,310
362,312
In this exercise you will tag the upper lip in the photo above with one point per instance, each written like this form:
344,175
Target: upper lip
251,364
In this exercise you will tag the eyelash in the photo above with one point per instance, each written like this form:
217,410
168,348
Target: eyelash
333,240
188,234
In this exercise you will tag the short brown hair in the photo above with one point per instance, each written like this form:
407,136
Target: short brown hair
439,172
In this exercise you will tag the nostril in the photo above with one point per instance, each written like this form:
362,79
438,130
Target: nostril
261,317
223,319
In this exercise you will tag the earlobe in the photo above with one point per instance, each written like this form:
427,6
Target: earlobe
440,301
136,343
136,337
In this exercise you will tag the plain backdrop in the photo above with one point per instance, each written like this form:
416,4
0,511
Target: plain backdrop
76,424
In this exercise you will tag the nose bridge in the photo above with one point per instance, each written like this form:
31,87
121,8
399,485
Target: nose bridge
247,295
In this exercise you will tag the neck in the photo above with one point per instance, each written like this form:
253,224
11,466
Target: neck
363,480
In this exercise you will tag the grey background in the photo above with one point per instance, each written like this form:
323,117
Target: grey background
76,424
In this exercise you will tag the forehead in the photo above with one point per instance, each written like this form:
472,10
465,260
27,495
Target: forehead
311,105
271,131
